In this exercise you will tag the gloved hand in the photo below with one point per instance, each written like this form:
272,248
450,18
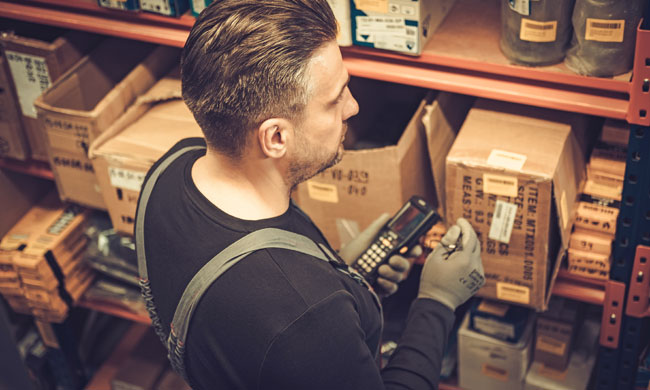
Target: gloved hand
452,277
389,274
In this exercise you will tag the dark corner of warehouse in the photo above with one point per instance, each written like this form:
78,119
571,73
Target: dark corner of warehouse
520,127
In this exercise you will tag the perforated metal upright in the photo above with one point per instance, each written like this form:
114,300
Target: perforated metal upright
625,324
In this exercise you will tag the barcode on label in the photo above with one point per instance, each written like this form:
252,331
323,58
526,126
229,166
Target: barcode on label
603,30
499,207
606,25
540,26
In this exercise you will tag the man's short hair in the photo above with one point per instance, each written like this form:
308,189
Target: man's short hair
245,61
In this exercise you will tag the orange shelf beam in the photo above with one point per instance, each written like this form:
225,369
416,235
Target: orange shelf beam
114,310
33,168
463,56
579,288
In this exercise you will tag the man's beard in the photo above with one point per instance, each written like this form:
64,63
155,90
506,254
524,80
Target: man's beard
307,166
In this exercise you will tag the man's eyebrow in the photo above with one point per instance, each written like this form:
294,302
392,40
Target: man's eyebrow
342,90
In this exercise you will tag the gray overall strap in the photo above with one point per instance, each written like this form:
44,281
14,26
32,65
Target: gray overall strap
145,193
220,263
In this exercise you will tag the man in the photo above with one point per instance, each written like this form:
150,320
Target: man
266,83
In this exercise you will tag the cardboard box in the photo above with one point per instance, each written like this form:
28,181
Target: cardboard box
18,193
344,199
165,7
88,99
589,264
590,241
125,5
499,320
341,9
581,364
520,200
595,216
403,26
605,180
13,142
42,255
615,132
487,363
609,158
555,332
124,153
37,56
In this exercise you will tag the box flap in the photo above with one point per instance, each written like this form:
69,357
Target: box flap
442,121
513,129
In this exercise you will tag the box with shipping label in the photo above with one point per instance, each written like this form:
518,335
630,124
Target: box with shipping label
579,369
124,153
199,5
555,331
125,5
341,10
588,264
384,164
519,200
403,26
605,182
487,363
88,99
37,56
44,249
13,142
165,7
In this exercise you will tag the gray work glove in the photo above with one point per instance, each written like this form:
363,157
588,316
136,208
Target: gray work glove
389,274
451,277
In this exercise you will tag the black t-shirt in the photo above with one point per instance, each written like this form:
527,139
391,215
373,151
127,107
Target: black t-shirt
278,319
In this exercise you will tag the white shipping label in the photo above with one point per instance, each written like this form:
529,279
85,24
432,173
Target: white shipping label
603,30
387,33
534,31
503,221
31,78
322,192
500,185
508,160
126,178
520,6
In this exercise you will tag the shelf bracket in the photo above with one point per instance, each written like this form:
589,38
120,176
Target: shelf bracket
638,112
638,296
612,314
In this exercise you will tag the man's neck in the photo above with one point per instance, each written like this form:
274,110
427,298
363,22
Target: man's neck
250,188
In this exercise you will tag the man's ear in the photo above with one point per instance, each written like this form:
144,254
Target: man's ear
274,135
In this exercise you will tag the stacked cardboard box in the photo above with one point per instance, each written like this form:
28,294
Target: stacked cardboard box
123,154
555,333
13,143
488,363
36,57
519,199
42,271
595,225
88,99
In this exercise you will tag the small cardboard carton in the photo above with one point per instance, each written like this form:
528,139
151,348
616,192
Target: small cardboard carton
88,99
43,253
403,26
487,363
13,143
18,193
555,333
125,152
37,56
515,173
344,199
